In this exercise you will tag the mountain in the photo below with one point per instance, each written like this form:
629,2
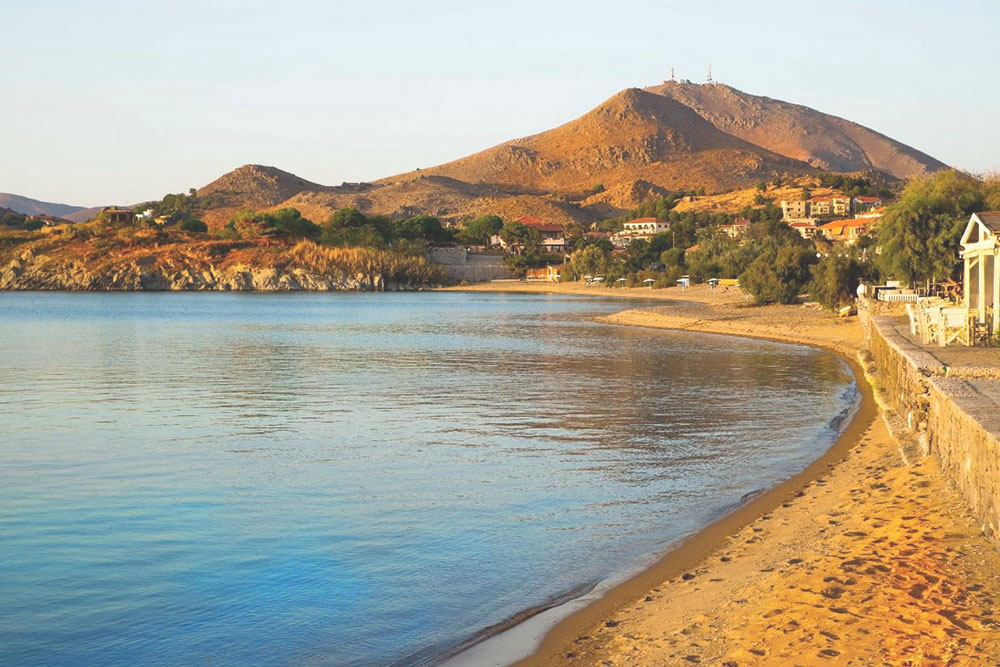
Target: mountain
29,206
638,144
798,132
633,135
84,214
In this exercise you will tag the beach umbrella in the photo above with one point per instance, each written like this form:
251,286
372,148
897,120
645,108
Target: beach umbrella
649,282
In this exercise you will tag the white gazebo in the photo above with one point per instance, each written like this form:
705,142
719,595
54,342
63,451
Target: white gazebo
980,250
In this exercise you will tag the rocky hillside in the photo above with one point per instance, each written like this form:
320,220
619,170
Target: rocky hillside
798,132
638,144
101,259
256,186
634,135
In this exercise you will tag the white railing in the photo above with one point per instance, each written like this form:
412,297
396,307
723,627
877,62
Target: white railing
898,296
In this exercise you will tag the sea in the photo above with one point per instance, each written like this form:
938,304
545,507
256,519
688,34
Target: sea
360,479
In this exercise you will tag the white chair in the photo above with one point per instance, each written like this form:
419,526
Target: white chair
931,324
911,312
954,327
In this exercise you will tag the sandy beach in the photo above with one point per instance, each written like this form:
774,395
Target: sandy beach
868,557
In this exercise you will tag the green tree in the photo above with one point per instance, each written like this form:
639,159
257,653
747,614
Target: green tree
289,222
835,279
590,261
919,234
521,239
479,230
672,257
421,227
779,274
349,227
283,222
346,217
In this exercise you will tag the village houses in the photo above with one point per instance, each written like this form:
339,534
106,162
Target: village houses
737,229
553,235
639,228
830,205
847,231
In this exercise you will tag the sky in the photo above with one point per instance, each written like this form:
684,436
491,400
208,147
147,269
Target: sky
123,101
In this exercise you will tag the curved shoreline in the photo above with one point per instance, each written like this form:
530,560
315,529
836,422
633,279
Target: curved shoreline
558,634
699,546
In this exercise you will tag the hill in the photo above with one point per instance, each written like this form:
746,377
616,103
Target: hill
255,186
638,144
798,132
633,135
29,206
95,257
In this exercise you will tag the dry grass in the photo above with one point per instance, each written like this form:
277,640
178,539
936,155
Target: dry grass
367,261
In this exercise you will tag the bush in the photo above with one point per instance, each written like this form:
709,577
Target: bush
283,222
835,280
192,225
779,274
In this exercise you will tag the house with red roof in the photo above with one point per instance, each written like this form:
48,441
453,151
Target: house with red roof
806,230
553,234
866,203
847,231
829,205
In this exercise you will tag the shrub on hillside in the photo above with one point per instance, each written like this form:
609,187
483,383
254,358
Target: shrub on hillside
192,225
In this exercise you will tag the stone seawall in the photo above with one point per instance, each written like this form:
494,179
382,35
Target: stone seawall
462,265
951,410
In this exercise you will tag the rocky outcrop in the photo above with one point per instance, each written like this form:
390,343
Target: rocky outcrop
31,271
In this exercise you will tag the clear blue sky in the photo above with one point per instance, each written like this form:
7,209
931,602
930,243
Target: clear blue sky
121,101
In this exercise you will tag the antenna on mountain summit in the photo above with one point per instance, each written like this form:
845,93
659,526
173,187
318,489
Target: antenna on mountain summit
709,79
672,77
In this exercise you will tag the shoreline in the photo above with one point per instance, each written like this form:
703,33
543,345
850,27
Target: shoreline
537,640
686,555
869,556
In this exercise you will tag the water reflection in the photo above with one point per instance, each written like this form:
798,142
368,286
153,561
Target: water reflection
357,479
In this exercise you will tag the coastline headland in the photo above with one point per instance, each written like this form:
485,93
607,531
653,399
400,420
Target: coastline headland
869,556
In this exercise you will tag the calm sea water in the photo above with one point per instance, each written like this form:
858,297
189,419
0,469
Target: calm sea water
353,479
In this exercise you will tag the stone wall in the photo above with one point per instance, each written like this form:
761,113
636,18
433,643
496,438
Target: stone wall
954,418
463,265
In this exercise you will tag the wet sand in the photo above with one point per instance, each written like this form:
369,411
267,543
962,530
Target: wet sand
868,557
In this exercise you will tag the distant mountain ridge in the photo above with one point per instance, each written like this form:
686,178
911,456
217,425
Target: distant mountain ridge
638,143
633,135
29,206
676,136
799,132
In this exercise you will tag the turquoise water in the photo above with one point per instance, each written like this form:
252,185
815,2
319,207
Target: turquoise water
356,479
